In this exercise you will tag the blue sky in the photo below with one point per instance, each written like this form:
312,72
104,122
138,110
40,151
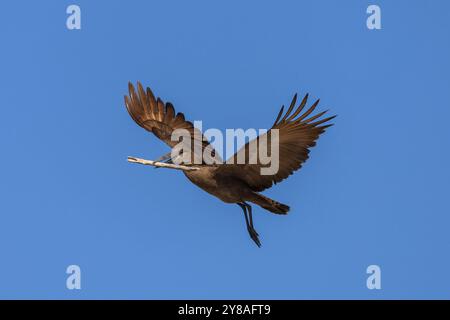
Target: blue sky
374,191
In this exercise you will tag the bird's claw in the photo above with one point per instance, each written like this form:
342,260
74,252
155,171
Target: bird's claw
254,236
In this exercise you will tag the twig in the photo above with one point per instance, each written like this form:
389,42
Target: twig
161,164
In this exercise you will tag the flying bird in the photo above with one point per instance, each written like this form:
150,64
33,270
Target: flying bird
231,181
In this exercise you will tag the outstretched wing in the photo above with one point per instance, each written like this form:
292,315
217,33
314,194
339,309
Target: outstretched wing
297,132
158,117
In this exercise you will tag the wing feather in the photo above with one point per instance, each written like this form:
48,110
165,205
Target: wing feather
297,133
158,117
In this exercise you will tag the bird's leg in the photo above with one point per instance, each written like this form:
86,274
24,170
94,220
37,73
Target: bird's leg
244,208
251,231
250,215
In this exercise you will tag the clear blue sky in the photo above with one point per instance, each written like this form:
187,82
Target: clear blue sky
375,190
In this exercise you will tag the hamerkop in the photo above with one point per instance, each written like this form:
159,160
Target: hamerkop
233,181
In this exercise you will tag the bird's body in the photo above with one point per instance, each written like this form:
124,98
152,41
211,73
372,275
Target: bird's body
231,189
232,181
227,189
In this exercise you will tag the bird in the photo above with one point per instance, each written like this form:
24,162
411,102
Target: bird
231,182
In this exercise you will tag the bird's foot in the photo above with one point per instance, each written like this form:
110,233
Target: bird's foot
254,235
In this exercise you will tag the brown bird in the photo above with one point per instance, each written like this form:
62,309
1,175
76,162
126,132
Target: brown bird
235,183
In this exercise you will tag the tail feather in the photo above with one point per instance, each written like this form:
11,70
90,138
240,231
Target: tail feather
269,204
